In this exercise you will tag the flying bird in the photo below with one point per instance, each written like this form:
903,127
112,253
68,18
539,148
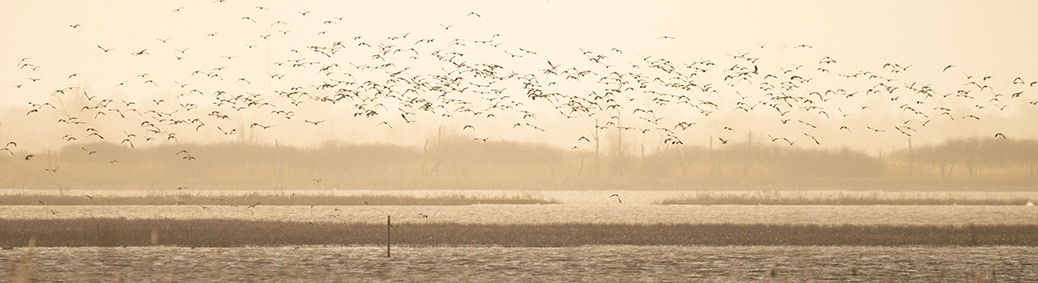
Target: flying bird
617,196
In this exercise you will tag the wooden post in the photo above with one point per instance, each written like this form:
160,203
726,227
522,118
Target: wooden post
389,224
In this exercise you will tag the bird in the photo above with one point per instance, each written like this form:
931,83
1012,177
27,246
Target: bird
1000,135
104,49
29,157
253,205
617,196
75,25
89,152
813,138
260,125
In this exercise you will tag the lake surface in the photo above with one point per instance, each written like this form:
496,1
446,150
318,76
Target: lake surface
574,206
496,264
562,213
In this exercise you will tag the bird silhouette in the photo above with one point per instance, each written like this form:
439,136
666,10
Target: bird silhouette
617,196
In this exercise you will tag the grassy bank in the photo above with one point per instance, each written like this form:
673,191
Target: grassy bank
234,233
267,199
838,198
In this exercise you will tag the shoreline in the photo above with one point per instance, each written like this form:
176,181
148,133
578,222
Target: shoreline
116,232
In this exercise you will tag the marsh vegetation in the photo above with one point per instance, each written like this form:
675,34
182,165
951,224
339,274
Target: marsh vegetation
240,233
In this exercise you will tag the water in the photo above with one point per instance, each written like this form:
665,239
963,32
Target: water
564,197
548,214
494,264
575,206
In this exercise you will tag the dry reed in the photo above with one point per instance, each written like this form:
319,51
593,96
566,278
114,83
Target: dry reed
236,233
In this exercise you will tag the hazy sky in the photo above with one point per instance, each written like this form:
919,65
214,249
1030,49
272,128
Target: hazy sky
148,53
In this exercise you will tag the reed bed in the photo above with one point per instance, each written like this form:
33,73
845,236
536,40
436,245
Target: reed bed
841,198
214,198
108,232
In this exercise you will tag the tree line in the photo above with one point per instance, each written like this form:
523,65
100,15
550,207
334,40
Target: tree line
458,162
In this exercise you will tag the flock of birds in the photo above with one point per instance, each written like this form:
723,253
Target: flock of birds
440,75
